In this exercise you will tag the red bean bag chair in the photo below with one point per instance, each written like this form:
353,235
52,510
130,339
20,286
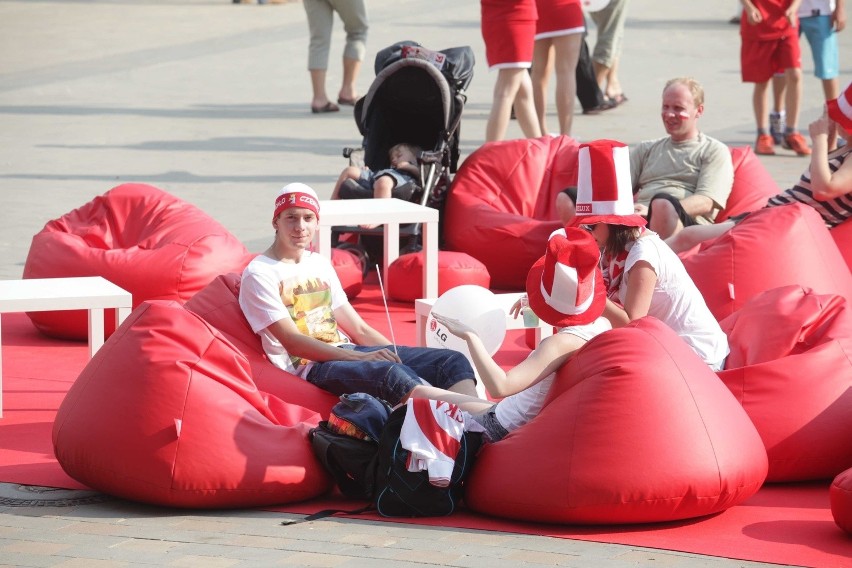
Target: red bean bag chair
218,304
350,271
772,247
790,367
500,208
842,235
840,495
167,413
635,429
152,244
405,274
753,184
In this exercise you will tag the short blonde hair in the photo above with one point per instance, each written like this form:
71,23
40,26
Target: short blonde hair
694,87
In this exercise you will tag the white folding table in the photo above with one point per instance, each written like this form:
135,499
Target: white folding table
391,213
92,293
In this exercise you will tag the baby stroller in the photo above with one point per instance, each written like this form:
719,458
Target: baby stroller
417,97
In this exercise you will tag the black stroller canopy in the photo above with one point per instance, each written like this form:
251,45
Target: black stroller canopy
411,100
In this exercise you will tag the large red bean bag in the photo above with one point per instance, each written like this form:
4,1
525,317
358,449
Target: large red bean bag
167,413
790,367
218,305
141,238
772,247
405,274
840,495
842,235
636,428
501,208
753,184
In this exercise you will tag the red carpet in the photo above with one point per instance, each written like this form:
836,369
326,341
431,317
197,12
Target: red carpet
784,524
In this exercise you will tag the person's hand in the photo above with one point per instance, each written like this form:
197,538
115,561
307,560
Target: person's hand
753,16
452,325
383,354
790,14
516,308
640,209
821,126
838,18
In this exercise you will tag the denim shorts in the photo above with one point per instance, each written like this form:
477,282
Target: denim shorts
494,431
368,178
388,381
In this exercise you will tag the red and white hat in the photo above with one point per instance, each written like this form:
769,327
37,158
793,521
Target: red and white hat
840,109
604,189
565,286
296,195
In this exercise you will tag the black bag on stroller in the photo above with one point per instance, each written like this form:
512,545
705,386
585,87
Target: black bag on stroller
417,97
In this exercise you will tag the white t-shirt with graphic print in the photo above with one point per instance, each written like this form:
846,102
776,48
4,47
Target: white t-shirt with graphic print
307,292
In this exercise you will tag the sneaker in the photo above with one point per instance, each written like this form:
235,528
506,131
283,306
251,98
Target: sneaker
796,142
764,145
777,123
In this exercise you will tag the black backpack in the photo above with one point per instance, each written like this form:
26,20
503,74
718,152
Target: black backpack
402,493
365,470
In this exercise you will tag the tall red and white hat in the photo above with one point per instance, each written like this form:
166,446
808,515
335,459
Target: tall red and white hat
840,109
565,286
604,189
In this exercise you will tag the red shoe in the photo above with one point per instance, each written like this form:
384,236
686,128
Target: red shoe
796,142
764,145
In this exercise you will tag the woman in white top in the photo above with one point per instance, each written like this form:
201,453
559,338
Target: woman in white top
565,289
642,275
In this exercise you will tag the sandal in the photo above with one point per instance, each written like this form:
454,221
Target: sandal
619,99
347,102
328,107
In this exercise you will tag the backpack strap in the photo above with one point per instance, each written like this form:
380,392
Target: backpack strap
328,513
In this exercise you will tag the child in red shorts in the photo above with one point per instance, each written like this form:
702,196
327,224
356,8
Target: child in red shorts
770,43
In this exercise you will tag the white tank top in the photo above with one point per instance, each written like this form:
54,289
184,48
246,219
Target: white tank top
516,410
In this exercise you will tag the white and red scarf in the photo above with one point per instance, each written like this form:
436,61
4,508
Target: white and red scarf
612,268
432,432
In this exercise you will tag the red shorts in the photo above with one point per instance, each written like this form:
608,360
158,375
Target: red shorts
761,59
559,17
508,28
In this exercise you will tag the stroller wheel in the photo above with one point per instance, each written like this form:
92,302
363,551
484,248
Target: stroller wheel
360,252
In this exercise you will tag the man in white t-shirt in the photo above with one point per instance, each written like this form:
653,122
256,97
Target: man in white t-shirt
293,300
686,177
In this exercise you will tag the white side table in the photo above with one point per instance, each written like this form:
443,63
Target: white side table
391,213
422,308
58,294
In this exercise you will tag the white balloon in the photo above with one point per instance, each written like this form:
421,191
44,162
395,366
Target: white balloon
475,306
594,5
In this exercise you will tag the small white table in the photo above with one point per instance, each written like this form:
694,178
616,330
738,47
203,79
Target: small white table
391,213
59,294
423,306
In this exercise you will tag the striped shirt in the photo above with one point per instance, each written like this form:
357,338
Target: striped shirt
834,211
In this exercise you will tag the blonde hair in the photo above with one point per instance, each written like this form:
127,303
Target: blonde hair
694,87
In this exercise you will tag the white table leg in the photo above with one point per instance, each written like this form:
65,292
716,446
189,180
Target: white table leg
391,249
121,314
96,330
430,260
322,239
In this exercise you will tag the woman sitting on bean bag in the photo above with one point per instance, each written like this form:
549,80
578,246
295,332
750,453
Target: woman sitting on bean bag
645,276
569,272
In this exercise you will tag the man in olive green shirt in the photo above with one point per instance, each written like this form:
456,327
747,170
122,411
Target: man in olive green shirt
684,178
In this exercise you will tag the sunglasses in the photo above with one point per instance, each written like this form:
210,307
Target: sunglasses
589,228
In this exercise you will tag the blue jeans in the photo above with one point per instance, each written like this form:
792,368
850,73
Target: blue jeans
392,381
